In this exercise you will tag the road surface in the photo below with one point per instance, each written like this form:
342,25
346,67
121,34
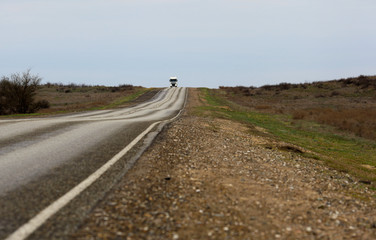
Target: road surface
43,158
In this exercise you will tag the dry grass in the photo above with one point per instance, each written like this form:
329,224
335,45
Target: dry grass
73,97
338,149
347,104
362,122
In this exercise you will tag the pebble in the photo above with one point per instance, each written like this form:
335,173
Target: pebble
263,194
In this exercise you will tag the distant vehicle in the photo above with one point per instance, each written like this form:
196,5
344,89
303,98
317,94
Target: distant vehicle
174,81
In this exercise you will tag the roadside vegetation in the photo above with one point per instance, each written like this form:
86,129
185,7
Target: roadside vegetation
24,95
346,104
17,94
74,97
337,129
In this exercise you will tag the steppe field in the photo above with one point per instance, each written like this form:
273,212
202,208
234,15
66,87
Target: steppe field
287,161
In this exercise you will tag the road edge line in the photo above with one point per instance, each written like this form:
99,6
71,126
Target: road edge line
33,224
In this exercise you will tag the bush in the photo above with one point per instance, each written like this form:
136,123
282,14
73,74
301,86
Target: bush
125,87
335,93
284,86
41,104
299,114
268,87
17,93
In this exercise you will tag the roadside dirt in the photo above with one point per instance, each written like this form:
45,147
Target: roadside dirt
207,178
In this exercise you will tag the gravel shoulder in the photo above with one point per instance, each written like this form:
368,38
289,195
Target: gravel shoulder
206,178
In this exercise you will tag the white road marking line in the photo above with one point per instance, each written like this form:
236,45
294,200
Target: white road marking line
33,224
28,228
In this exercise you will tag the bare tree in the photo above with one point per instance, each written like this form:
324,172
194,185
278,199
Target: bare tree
5,96
17,92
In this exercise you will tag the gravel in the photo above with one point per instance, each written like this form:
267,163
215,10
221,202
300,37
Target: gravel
206,178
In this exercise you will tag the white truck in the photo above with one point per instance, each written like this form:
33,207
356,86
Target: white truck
174,81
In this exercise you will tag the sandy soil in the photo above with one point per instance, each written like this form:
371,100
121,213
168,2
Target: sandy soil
209,178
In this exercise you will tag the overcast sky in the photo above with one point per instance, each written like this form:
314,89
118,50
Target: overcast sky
206,43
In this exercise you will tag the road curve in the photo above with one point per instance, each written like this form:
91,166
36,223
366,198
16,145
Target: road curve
42,158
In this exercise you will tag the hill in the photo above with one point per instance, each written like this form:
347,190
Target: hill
347,104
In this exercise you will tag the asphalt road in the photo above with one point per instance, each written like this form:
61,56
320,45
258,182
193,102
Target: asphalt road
43,158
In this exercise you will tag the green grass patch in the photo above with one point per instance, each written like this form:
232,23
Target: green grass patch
340,151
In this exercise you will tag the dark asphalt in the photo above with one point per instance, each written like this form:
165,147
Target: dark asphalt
19,205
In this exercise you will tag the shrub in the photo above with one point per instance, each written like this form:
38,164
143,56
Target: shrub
17,93
296,97
267,87
334,93
125,87
284,86
319,95
299,114
42,104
